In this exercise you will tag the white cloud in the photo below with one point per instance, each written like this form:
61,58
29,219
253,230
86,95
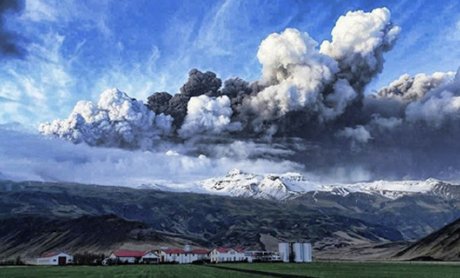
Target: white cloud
116,120
26,156
39,10
40,84
208,115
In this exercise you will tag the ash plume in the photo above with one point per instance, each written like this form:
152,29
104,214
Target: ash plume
115,121
310,102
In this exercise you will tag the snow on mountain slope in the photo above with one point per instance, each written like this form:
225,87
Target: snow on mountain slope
239,183
285,186
235,183
389,189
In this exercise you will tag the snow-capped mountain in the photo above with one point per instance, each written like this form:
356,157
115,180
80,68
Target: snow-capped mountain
238,183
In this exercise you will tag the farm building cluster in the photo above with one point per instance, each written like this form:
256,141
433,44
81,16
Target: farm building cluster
287,252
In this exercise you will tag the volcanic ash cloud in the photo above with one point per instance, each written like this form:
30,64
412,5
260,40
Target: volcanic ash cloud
315,92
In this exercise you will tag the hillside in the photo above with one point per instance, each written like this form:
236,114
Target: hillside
204,220
330,221
443,244
28,235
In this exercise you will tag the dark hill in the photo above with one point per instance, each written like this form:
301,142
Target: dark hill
443,244
41,216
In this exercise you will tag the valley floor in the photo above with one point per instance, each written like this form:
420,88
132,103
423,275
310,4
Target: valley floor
316,269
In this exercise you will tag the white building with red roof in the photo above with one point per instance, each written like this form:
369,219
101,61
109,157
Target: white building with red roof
225,254
150,257
54,258
126,256
182,256
165,255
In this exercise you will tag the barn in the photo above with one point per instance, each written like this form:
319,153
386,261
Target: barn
173,255
182,256
127,256
223,254
150,257
55,258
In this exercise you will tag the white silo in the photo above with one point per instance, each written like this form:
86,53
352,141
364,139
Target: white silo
307,252
298,252
284,250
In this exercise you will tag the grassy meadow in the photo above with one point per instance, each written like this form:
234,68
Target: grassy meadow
317,269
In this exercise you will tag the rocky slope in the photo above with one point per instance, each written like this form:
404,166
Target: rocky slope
330,219
443,244
40,216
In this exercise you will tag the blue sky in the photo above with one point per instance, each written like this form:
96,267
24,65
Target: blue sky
76,49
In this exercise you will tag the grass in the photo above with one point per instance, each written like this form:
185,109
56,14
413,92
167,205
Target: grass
166,271
317,269
357,269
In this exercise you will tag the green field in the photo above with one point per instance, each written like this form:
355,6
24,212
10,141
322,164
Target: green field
357,270
119,271
318,269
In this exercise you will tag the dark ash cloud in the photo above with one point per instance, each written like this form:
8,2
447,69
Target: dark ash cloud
310,102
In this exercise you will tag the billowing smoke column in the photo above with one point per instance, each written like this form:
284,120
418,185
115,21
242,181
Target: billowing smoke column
115,121
208,115
198,83
359,40
322,82
300,82
295,73
311,91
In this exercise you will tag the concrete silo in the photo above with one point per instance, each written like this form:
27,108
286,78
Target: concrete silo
298,252
285,251
307,252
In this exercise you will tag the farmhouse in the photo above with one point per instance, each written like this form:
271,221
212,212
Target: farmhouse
150,257
127,256
262,256
172,255
223,254
54,258
182,256
199,254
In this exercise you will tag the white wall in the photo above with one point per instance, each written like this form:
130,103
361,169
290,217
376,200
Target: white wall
129,260
181,258
54,260
230,256
149,256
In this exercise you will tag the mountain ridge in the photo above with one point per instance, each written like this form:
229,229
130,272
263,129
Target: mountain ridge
330,220
201,219
290,185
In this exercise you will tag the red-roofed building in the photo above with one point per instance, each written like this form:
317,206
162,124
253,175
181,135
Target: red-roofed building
134,256
55,258
176,251
150,257
182,256
225,254
200,251
166,255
